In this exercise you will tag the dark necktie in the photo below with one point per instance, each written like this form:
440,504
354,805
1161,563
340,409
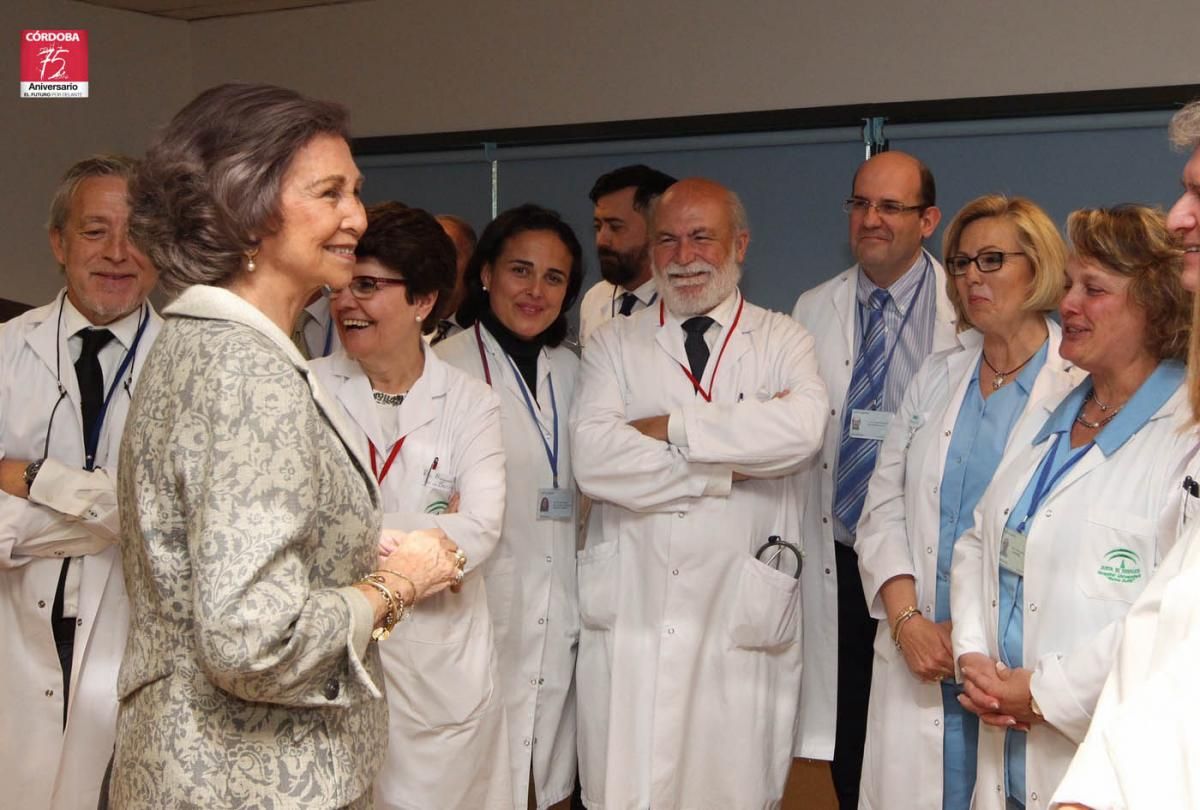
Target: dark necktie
91,385
628,302
91,400
694,345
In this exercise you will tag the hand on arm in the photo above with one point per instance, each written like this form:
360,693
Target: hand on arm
12,477
998,694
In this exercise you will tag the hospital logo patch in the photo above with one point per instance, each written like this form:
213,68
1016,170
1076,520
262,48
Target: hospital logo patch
1121,565
437,507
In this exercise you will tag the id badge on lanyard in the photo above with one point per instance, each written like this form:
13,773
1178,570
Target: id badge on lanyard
1012,541
873,425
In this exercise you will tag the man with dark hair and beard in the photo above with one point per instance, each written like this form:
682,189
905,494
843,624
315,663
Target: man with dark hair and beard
622,200
691,421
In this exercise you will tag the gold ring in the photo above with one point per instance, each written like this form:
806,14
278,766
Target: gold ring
458,576
460,558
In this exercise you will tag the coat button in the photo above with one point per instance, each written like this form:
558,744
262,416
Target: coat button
675,572
41,603
332,689
541,621
679,515
670,631
937,722
947,433
49,693
993,603
79,622
935,489
828,571
549,558
825,519
928,549
1032,608
533,681
526,742
833,413
825,466
540,682
1033,796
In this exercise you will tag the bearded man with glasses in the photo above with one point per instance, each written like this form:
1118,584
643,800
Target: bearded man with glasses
874,325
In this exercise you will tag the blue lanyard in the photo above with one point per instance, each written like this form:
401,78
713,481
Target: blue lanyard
328,336
1046,480
551,455
94,438
887,364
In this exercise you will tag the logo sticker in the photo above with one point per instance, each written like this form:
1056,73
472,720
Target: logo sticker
437,507
1121,565
54,64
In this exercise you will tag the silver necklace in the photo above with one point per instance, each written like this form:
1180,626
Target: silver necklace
1101,422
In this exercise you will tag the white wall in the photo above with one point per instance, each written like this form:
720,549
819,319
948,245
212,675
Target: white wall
406,66
138,72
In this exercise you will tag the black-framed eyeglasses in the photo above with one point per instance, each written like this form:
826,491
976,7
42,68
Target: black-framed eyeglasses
988,261
363,287
885,208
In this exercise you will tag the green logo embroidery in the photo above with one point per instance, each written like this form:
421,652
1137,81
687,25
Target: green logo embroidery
437,507
1121,565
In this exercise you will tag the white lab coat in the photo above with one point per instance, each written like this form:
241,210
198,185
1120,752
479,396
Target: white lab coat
71,512
828,312
898,536
690,654
1142,749
448,745
1072,615
531,575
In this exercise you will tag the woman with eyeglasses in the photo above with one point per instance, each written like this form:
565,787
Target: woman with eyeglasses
1068,533
1005,265
523,278
432,436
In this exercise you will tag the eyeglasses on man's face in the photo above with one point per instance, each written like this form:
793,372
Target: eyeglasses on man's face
363,287
988,261
885,208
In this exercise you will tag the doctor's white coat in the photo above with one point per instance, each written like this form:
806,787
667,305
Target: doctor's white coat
531,575
898,536
447,740
1072,615
828,313
690,653
71,512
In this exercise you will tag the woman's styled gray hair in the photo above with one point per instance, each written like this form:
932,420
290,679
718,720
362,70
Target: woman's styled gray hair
208,189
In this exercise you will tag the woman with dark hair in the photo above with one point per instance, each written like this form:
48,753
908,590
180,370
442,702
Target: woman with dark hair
523,278
432,434
1068,533
250,523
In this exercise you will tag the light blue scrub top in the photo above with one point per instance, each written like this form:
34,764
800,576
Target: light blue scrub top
1145,402
981,431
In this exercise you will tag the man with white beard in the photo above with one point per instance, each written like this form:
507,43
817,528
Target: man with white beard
692,417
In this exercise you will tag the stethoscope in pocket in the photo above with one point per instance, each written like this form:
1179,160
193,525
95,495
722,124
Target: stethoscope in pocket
125,370
781,555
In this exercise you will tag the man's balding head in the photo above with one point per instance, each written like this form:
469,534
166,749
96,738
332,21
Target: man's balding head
887,245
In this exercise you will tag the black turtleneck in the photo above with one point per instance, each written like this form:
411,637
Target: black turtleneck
524,353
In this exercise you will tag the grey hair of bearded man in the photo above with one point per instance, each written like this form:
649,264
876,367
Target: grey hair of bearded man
1184,131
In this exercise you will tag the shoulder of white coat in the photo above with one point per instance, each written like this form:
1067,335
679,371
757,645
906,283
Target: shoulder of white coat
773,323
14,330
600,291
469,389
815,297
458,348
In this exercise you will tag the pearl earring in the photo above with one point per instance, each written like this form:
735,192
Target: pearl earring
250,265
420,318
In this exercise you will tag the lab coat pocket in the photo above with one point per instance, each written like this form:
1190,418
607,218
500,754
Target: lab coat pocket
596,570
1117,555
765,611
440,684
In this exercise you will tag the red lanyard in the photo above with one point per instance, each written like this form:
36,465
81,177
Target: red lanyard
387,465
487,372
662,319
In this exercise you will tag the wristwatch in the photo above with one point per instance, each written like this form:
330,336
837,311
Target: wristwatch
31,471
1035,708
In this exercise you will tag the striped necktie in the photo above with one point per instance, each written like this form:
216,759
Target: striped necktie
856,457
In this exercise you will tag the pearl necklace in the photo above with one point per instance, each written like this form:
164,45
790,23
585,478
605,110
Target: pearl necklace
1091,397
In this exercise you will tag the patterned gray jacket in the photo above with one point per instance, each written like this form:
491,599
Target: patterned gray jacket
248,679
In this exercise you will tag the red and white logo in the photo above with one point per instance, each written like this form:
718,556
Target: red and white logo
54,64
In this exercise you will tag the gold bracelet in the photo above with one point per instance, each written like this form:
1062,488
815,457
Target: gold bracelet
400,576
904,616
393,613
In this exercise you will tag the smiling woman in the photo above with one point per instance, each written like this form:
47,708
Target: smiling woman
251,537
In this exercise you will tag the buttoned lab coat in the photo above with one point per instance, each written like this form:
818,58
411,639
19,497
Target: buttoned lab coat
898,536
71,512
1141,748
448,745
690,652
530,576
1072,614
828,312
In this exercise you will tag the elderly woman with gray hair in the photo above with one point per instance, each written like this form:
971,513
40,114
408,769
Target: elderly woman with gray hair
251,527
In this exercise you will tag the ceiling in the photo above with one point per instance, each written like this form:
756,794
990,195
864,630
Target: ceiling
207,9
